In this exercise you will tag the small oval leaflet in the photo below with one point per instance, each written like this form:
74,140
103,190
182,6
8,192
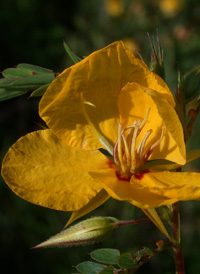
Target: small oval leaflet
90,267
106,255
126,261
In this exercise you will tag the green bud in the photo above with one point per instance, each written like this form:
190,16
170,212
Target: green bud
89,231
157,64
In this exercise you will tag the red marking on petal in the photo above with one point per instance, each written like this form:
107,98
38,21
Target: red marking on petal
111,164
122,177
140,175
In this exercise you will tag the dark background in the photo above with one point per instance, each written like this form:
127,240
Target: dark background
33,32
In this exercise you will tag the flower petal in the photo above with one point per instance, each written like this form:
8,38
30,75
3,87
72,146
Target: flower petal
125,191
44,170
134,102
152,214
174,127
98,80
153,189
170,187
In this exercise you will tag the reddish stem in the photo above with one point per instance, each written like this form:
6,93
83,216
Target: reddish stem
178,253
132,222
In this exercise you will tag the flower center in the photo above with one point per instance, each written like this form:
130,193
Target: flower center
127,158
126,155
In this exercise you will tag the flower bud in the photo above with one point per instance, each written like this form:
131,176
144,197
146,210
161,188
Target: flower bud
89,231
157,65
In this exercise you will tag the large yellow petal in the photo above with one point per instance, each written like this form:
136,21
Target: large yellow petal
44,170
125,191
97,79
151,80
153,189
170,186
134,102
175,151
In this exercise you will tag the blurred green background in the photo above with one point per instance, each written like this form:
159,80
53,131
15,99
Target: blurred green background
32,31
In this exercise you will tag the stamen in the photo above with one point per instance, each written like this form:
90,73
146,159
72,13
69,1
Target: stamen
141,145
133,161
148,153
138,127
101,138
119,149
115,154
119,146
89,103
127,152
130,132
145,119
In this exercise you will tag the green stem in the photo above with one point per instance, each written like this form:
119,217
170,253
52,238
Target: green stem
178,253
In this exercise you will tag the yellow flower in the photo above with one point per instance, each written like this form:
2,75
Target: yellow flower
114,8
109,101
170,8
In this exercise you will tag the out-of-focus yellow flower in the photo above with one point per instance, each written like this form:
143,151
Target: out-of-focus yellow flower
170,8
114,8
110,101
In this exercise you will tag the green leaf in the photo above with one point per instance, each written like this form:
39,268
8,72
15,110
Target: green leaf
24,78
6,95
71,54
5,82
105,255
90,267
108,270
39,91
126,261
34,68
16,73
34,81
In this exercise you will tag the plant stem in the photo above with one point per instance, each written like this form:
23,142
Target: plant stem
178,253
131,222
